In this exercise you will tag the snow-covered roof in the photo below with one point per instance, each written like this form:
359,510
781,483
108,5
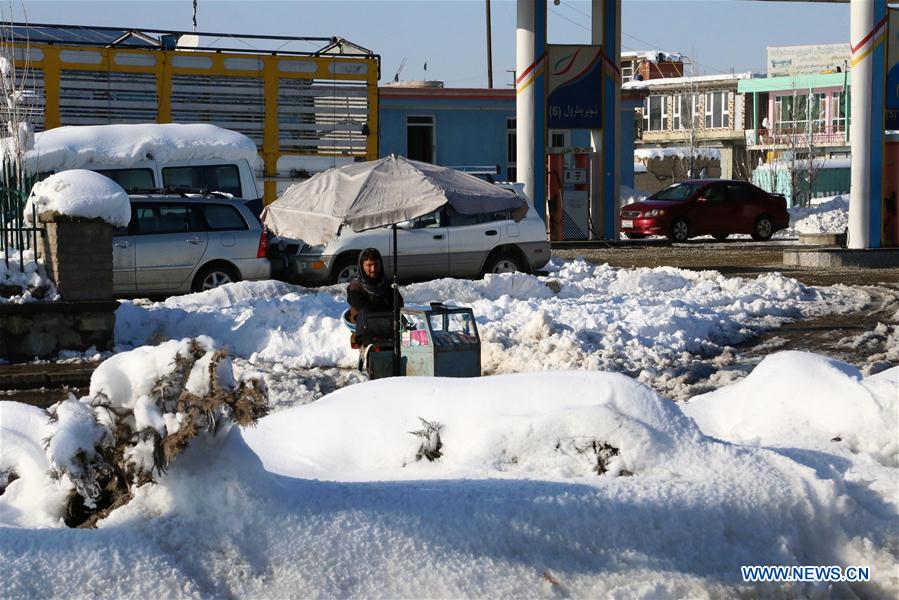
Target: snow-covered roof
76,147
677,151
80,193
653,55
825,163
675,81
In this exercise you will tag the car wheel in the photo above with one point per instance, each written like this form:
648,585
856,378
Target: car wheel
503,263
345,269
680,231
635,236
213,276
763,229
720,236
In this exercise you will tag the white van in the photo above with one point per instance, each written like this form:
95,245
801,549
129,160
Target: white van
147,157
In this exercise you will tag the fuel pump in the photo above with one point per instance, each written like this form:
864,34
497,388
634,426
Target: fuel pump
568,193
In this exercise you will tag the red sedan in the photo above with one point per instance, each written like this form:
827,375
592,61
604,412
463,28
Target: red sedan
713,207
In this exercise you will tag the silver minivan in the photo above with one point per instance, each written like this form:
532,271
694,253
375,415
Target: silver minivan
187,243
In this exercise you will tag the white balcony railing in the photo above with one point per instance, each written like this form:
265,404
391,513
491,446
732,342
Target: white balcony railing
786,137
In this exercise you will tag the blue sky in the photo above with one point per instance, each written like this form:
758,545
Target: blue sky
450,36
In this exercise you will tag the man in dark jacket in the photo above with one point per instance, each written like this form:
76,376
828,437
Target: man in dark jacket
370,291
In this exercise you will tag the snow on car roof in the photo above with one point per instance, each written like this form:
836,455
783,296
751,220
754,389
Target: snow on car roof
75,147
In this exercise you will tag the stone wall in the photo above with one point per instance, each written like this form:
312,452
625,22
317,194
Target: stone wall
78,258
662,172
41,329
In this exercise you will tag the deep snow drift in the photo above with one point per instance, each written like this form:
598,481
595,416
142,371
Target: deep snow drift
662,326
328,499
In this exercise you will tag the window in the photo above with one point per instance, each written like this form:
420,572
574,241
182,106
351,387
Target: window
717,109
511,150
559,139
459,220
676,191
655,113
839,110
420,138
212,178
817,111
801,112
627,71
715,193
131,179
221,217
684,109
740,193
165,219
432,219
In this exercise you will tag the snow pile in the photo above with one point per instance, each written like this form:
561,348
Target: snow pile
80,193
550,484
76,147
812,398
654,324
647,154
263,320
551,426
30,497
142,410
25,283
828,216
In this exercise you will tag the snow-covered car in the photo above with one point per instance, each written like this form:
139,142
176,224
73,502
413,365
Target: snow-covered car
177,244
151,156
716,207
440,244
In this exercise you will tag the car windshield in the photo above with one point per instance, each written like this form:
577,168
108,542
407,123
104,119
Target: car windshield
676,191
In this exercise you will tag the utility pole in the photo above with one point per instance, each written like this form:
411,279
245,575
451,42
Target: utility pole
489,51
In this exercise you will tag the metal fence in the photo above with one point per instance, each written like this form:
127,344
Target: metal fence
15,232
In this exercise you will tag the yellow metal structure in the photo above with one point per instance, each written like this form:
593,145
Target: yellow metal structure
290,105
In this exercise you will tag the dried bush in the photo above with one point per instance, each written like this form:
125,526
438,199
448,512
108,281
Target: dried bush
99,448
430,447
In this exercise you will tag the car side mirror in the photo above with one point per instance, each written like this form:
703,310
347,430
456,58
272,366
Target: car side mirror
404,225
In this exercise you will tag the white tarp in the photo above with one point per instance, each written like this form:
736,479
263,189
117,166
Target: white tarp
378,193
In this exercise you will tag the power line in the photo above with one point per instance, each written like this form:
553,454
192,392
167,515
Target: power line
650,45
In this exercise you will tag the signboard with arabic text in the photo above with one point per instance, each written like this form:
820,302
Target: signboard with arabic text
573,87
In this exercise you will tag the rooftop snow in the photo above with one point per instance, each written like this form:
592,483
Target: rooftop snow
77,147
674,81
677,151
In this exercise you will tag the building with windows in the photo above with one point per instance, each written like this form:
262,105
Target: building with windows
642,66
473,129
689,127
798,121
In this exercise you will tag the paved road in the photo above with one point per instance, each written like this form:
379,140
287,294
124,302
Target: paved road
739,258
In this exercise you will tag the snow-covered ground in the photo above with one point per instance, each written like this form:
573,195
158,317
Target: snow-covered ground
568,472
668,327
584,484
23,278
